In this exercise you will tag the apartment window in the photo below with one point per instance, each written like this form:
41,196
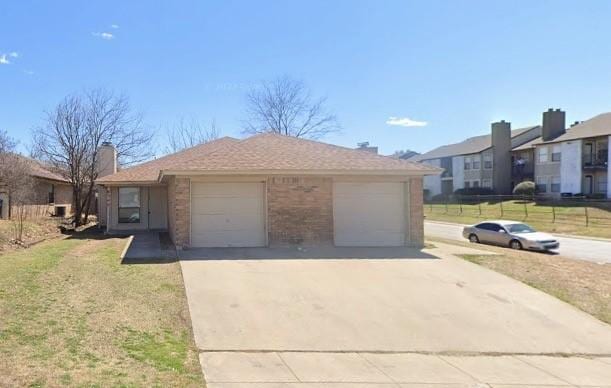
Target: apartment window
467,163
541,184
467,184
542,154
487,161
476,162
487,183
556,153
129,205
555,188
602,184
475,183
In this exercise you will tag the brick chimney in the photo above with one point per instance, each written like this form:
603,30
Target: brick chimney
554,124
501,148
107,159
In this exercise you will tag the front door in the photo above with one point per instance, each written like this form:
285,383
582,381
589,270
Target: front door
158,207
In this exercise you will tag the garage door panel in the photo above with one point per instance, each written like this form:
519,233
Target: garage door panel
369,214
227,214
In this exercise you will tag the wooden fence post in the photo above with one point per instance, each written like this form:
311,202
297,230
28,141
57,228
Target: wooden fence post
553,214
460,203
525,211
501,203
587,217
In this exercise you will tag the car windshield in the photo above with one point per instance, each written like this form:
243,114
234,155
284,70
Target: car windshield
520,228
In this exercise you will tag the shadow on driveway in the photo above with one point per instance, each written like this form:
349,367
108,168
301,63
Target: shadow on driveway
311,253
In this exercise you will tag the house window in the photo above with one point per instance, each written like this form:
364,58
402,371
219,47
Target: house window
487,183
488,162
52,194
129,205
542,153
602,184
555,188
467,163
541,184
556,153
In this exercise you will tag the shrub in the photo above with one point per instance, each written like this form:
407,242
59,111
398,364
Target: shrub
474,191
525,188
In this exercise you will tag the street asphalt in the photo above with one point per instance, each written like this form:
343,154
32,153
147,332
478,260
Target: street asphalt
576,248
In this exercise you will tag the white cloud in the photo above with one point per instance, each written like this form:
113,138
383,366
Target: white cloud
115,26
13,54
29,72
405,122
103,35
4,59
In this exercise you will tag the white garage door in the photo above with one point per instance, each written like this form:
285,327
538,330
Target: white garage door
227,215
369,214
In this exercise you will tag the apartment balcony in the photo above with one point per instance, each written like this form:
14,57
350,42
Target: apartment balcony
446,174
523,171
598,161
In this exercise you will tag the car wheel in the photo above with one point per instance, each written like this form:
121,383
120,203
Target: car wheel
473,238
515,244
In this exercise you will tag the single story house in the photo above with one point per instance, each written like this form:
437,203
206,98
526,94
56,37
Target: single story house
51,193
268,190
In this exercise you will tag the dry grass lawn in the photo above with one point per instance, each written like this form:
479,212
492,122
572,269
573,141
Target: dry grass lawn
71,314
567,220
583,284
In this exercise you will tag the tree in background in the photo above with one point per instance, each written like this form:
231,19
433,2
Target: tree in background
285,106
73,131
16,180
186,134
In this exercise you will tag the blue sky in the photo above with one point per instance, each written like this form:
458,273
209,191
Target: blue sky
456,65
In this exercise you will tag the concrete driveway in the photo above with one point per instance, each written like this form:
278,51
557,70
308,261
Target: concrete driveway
277,318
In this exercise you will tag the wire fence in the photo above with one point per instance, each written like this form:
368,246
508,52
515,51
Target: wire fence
570,211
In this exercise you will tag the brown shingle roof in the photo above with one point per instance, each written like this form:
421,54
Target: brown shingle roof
268,153
277,153
149,171
39,170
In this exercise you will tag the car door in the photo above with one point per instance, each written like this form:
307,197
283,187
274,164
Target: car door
485,232
500,235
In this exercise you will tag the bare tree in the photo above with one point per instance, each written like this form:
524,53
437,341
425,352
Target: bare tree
74,131
185,134
404,154
16,180
285,106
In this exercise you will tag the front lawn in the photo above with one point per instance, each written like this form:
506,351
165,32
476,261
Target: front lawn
585,285
593,221
72,314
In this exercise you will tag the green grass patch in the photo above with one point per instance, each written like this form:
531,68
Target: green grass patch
72,314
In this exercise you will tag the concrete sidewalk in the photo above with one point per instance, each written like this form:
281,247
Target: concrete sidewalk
306,369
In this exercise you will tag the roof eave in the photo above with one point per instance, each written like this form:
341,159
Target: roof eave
429,171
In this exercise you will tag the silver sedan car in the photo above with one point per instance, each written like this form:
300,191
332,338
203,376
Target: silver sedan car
511,234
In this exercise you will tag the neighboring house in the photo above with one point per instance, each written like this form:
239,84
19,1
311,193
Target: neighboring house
52,193
481,161
269,190
573,160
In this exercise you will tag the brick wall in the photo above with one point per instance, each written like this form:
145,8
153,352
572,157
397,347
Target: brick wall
179,207
416,213
300,210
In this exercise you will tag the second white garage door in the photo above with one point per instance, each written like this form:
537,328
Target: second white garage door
227,214
369,214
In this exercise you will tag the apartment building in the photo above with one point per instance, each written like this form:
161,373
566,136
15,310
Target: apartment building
481,161
573,160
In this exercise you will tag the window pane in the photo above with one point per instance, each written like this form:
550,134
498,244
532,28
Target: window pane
129,215
129,197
